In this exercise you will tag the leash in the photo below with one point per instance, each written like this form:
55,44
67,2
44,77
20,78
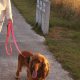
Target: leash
10,31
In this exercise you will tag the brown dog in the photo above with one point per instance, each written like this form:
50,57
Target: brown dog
37,65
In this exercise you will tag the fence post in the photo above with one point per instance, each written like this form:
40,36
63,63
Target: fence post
43,14
38,12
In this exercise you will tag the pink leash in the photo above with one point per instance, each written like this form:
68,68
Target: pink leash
10,30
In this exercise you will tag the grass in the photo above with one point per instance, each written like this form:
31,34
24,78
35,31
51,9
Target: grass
65,17
66,48
27,9
64,41
67,53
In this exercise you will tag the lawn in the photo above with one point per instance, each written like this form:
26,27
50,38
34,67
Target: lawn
63,41
65,45
27,9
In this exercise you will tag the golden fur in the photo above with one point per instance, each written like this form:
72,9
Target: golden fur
37,66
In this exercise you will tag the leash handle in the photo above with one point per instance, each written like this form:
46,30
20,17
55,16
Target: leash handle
10,30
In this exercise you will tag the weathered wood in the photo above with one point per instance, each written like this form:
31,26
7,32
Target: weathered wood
43,14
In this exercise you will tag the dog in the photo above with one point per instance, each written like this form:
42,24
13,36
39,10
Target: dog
37,65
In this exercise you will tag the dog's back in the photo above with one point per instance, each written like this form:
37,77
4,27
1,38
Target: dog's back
24,58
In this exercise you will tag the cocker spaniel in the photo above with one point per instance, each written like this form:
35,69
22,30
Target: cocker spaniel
37,65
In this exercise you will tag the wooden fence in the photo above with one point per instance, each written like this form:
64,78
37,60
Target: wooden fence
43,14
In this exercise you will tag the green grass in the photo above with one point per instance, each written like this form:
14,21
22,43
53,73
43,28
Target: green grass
64,17
56,21
27,9
67,48
67,51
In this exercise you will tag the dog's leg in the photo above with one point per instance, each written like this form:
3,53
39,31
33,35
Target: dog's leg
27,74
19,68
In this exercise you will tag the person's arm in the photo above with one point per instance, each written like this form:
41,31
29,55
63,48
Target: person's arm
9,11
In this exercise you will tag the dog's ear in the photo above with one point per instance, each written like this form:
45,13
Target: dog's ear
45,68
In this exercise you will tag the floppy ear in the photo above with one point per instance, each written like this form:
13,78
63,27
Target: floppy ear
45,70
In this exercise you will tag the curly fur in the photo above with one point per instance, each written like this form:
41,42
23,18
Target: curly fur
35,63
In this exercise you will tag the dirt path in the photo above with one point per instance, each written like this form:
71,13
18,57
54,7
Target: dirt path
27,40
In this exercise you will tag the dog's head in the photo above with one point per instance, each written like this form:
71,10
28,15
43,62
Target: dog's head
39,66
